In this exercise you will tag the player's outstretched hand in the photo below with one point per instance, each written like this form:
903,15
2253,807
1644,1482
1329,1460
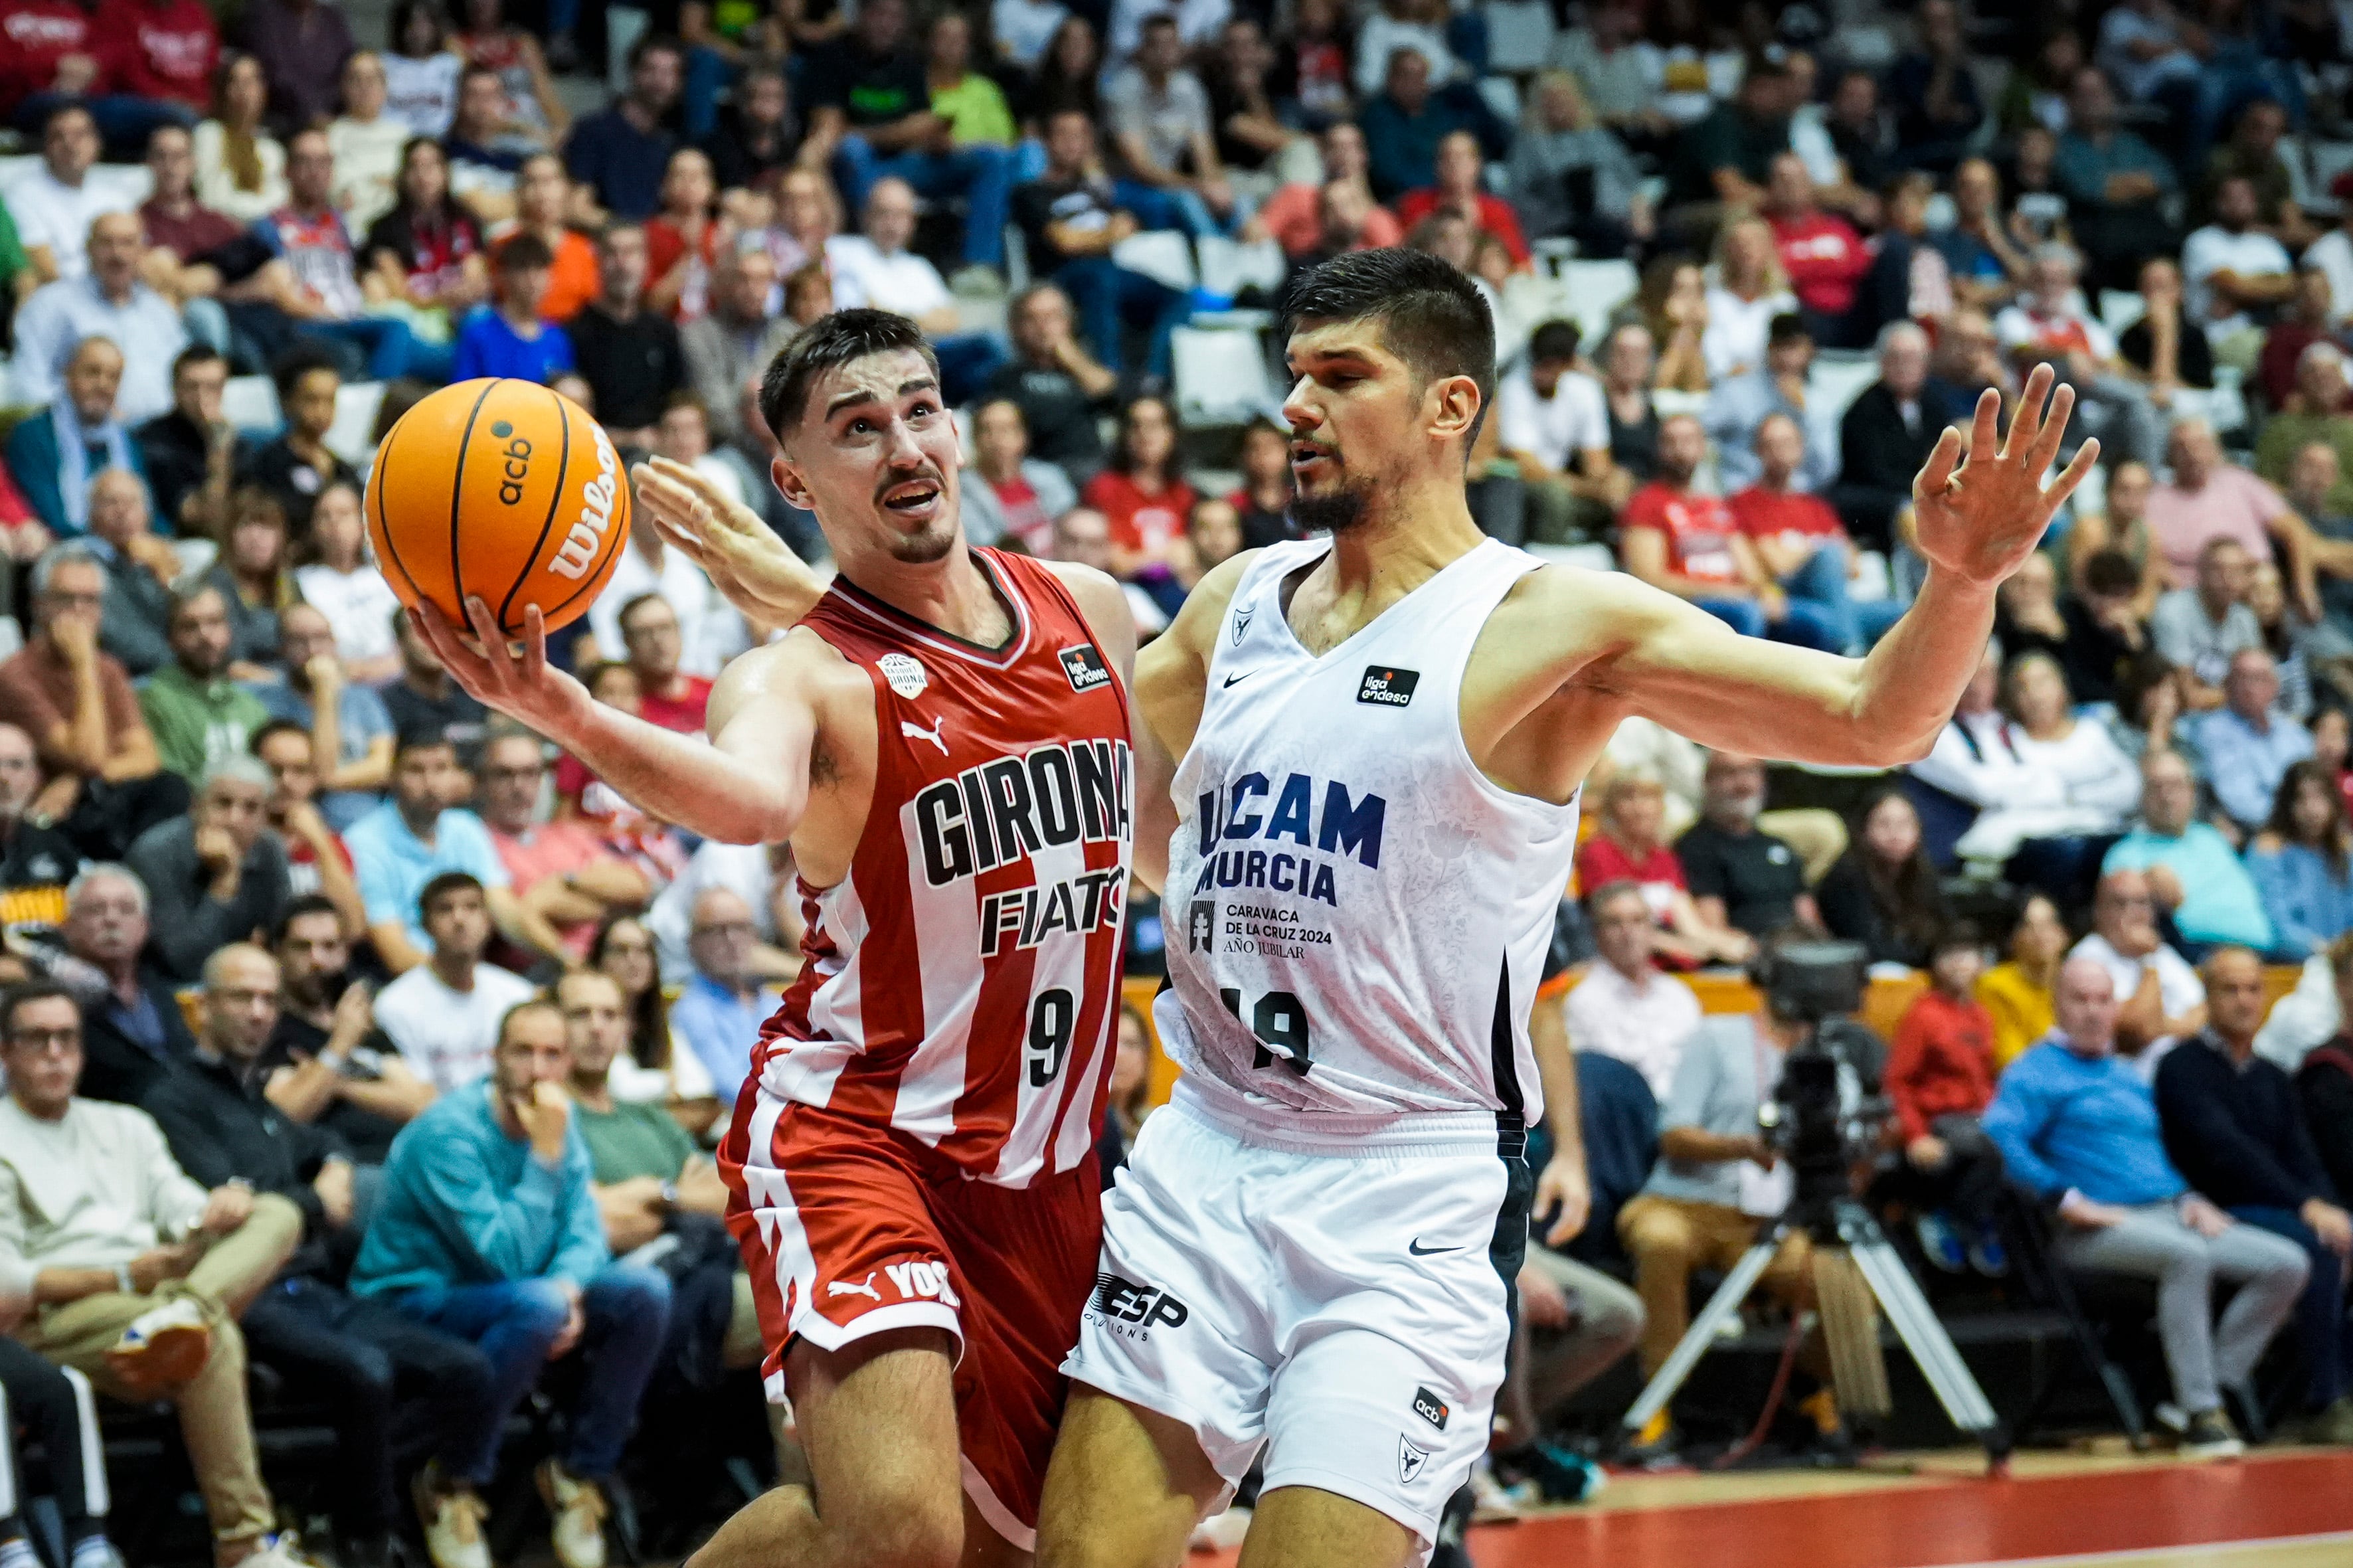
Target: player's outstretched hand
1978,519
1561,1184
742,555
522,685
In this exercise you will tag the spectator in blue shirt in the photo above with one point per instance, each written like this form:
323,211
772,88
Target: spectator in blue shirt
488,1230
2078,1128
509,337
2302,862
2247,743
621,153
414,837
2194,873
719,1012
349,728
54,453
1405,124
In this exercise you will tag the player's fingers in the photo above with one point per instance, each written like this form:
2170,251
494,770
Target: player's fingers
443,638
535,644
2054,429
492,637
698,487
2087,457
1937,472
2027,422
1985,425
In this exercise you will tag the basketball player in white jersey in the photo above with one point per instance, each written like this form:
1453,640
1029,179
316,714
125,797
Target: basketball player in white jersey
1382,735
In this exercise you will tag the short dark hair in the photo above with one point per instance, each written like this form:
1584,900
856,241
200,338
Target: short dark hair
420,737
441,887
1554,342
276,727
631,606
18,996
1960,933
195,354
2110,570
652,41
58,111
188,593
1616,888
1429,314
1788,327
523,252
1157,20
831,343
287,371
302,909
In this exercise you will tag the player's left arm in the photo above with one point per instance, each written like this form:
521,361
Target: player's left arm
751,568
1563,1188
1636,650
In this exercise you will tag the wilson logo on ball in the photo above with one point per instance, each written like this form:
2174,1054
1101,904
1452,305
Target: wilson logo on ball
578,551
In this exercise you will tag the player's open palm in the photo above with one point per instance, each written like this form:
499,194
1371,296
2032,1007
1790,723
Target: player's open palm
1979,518
741,555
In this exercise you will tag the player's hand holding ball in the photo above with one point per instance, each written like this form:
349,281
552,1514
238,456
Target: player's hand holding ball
499,507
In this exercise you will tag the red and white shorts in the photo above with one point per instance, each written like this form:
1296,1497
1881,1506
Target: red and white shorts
849,1229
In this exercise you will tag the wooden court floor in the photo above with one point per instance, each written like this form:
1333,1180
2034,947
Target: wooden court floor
2283,1509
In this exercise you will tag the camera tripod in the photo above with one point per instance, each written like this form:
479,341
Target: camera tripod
1849,1240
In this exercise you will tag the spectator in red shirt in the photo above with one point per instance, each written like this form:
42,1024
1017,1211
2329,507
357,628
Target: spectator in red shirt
1799,540
62,51
666,695
1143,492
562,870
163,50
1826,259
1459,165
1673,537
1631,846
1940,1079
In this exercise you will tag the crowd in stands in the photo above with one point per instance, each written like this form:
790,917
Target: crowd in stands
432,1031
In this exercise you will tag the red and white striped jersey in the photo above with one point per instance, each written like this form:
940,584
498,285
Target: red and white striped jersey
962,982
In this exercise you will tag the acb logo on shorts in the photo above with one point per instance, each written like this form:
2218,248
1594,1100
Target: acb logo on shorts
1123,1302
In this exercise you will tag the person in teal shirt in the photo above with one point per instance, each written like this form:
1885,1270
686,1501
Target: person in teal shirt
2210,896
487,1229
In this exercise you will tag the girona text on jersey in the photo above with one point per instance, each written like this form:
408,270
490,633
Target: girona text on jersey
1005,811
1321,818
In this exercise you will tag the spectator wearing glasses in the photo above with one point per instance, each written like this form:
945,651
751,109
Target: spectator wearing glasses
489,1230
719,1014
563,871
361,1354
106,781
144,1272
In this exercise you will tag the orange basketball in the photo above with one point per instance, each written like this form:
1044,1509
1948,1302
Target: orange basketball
503,490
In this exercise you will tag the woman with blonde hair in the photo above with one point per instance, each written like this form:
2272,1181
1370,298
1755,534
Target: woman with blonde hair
240,167
1749,289
1672,303
1567,174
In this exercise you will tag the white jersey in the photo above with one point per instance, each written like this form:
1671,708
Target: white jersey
1357,917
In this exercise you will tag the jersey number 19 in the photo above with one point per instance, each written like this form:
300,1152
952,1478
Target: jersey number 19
1280,1025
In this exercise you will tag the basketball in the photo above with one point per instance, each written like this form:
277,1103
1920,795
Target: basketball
501,488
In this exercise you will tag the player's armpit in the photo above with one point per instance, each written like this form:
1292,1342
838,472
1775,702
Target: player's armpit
1172,671
1104,603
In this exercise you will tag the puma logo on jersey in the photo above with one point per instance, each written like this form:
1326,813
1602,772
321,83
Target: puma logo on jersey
917,732
843,1288
999,812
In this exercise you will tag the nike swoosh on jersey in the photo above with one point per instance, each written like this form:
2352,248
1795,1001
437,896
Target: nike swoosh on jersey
1416,1247
1244,676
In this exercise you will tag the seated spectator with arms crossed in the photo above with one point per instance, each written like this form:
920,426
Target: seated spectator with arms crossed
2235,1130
360,1353
488,1230
140,1275
2077,1127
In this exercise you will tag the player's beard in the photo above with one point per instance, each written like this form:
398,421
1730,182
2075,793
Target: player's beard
931,541
1336,511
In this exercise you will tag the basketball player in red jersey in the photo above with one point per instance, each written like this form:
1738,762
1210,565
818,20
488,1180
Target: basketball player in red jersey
944,740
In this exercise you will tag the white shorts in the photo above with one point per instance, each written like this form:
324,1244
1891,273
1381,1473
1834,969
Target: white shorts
1348,1312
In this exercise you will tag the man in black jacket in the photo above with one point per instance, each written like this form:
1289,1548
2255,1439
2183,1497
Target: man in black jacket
362,1356
1886,437
2235,1130
131,1030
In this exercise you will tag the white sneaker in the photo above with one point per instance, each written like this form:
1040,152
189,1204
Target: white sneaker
452,1517
164,1346
577,1508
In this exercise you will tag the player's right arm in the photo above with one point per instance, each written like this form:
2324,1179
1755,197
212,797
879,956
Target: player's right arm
749,784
